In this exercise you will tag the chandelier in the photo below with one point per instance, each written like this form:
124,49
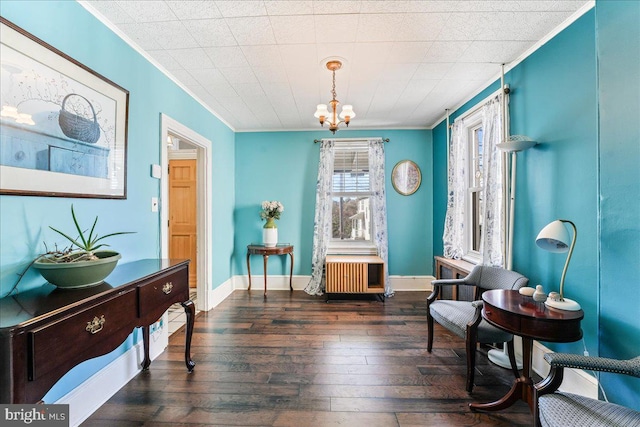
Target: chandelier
323,114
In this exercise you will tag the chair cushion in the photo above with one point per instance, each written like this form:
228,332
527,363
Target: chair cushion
455,315
568,410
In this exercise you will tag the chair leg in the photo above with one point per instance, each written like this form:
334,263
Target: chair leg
512,358
471,344
429,331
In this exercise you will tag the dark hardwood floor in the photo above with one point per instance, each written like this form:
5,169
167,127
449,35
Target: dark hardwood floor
295,360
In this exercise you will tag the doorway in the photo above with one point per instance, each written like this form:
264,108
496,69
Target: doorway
189,154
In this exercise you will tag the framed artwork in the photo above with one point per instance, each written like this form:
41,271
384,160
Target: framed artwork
63,127
406,177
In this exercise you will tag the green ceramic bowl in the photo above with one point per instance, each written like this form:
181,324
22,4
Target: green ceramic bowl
81,274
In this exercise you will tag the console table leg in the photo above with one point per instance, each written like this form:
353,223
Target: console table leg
145,341
190,311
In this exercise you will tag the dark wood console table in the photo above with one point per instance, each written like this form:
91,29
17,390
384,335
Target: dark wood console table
521,315
47,331
265,252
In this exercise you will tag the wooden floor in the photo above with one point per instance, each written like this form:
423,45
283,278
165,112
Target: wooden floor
295,360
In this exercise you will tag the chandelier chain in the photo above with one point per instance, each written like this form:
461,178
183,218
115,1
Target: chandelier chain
333,90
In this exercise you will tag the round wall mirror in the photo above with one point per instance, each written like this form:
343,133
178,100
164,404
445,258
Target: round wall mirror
406,177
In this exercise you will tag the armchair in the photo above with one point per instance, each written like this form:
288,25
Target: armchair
464,318
559,409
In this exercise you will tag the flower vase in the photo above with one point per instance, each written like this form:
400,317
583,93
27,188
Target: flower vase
270,233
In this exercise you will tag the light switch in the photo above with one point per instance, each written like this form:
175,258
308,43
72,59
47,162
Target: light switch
154,204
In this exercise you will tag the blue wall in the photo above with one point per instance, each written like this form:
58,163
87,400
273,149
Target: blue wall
284,166
24,221
618,44
580,172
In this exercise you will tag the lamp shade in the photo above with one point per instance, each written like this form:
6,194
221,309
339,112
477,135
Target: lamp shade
321,110
554,237
347,110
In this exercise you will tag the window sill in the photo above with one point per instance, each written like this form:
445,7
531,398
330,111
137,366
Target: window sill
351,248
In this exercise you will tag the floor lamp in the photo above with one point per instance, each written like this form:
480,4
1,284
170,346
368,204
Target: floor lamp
512,145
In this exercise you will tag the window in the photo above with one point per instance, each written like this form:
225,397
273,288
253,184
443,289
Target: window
475,191
350,194
474,200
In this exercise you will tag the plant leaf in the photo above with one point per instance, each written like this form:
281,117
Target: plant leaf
89,239
71,239
75,221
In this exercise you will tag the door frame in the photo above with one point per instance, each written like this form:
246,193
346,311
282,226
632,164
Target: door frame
204,206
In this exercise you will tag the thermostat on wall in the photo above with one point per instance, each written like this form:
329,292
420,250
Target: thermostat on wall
156,171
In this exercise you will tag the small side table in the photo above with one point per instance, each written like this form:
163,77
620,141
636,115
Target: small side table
266,252
520,315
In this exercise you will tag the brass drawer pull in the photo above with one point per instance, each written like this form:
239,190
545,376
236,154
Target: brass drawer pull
95,325
167,288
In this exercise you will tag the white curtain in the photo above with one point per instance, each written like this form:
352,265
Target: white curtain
322,221
493,225
453,238
379,206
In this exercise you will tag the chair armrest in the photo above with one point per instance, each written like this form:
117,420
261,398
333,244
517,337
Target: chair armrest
600,364
443,282
477,304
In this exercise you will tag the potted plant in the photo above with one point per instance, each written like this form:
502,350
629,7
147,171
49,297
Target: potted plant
81,264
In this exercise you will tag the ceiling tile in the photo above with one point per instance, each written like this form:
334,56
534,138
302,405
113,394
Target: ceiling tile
293,29
221,90
432,71
194,9
170,35
224,57
408,51
247,90
239,75
231,9
382,27
140,36
252,30
270,74
191,59
336,28
339,7
494,51
165,59
262,56
421,26
208,76
289,7
448,51
211,32
147,11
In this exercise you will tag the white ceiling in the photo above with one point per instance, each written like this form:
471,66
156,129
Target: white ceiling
259,64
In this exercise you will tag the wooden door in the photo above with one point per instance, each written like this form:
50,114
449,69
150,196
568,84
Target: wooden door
182,214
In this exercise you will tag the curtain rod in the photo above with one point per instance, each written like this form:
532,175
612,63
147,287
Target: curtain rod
315,141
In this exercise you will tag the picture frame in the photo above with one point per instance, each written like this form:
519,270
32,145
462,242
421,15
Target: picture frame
63,126
406,177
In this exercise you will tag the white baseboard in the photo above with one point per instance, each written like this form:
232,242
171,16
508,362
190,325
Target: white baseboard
575,381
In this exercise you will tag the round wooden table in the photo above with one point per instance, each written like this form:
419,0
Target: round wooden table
521,315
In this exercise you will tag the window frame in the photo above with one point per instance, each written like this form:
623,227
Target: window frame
473,122
348,246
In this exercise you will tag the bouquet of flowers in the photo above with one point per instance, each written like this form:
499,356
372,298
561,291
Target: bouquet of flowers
271,210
